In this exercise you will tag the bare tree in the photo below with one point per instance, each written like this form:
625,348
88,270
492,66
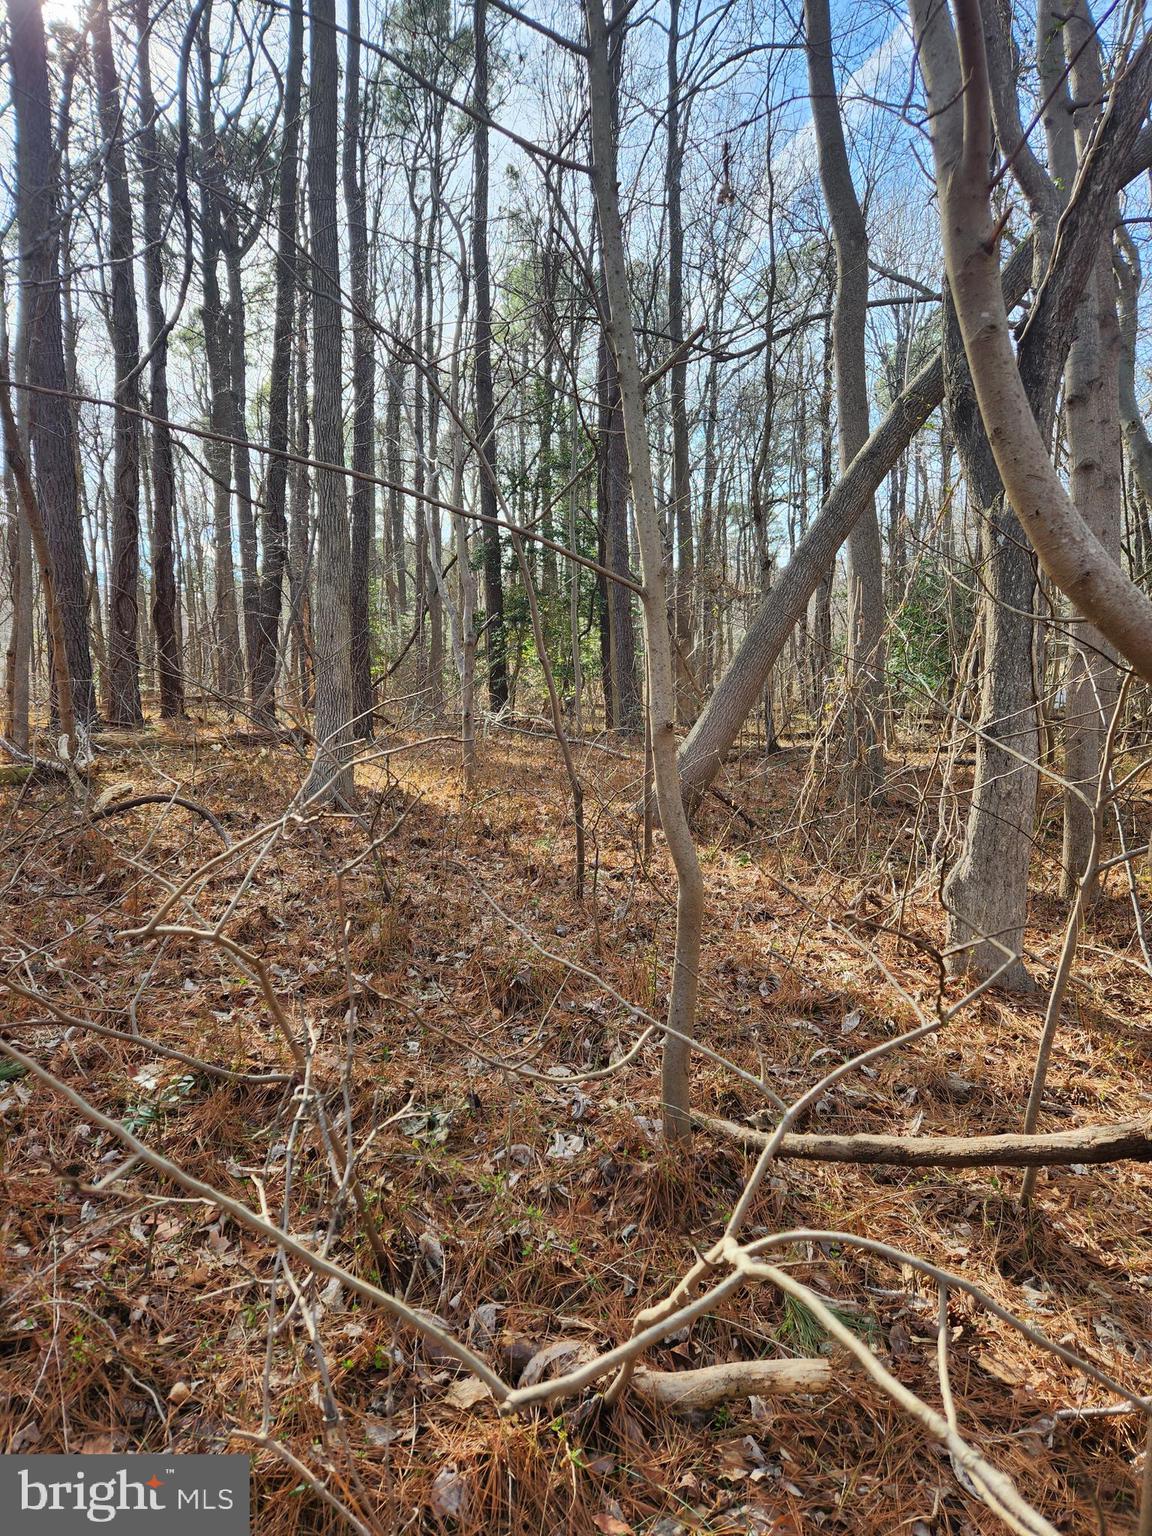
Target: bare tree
165,602
363,384
50,429
275,520
956,79
229,657
495,638
850,238
123,681
661,678
680,508
331,776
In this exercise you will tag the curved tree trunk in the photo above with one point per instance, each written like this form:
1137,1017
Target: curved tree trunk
1070,552
740,686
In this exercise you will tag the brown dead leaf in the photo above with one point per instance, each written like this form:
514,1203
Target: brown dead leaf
611,1526
96,1445
466,1393
451,1493
555,1359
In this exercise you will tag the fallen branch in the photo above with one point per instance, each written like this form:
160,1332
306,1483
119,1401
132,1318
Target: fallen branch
118,807
693,1391
1130,1141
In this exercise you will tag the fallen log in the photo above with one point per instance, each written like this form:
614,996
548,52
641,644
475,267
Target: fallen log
694,1391
1131,1141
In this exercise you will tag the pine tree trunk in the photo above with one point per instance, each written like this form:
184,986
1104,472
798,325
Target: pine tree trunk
495,637
229,660
165,606
235,330
331,777
275,520
50,429
363,387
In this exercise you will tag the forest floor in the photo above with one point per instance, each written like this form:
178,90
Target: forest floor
525,1212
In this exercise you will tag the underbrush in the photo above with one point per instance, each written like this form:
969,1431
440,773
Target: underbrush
526,1210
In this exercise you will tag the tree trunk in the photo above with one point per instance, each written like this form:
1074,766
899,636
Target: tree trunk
865,562
986,893
680,510
1072,555
229,662
623,698
331,777
300,534
18,661
165,604
1128,277
1091,408
495,638
123,681
275,522
675,1086
235,328
397,542
363,387
50,428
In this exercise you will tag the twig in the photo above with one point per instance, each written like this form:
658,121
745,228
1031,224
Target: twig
247,1218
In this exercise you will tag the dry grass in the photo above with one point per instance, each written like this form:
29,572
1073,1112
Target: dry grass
132,1319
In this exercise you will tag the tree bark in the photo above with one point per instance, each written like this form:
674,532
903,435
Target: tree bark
235,332
229,660
1128,1142
331,777
50,428
165,604
850,237
1070,552
18,660
275,520
123,681
623,700
495,637
680,508
675,1083
30,510
363,387
986,891
1092,416
1139,444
